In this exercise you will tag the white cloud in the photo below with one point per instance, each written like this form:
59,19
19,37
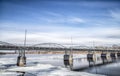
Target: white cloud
75,20
115,14
54,17
63,20
53,14
61,34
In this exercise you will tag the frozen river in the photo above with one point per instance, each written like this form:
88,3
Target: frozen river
52,65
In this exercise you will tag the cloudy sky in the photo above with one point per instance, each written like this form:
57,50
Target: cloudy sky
56,21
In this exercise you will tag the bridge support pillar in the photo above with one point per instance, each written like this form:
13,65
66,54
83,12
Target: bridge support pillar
104,58
91,59
21,60
118,55
113,56
68,59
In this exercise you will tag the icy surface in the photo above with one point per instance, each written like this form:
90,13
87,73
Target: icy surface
39,65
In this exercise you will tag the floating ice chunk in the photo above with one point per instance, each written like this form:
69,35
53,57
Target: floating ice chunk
8,74
32,68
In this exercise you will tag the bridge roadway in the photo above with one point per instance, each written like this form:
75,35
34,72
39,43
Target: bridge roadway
11,47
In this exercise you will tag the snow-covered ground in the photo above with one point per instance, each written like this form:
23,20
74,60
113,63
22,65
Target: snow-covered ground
42,65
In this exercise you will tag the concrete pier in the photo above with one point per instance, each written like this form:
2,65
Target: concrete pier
90,57
118,55
68,60
21,61
113,56
104,58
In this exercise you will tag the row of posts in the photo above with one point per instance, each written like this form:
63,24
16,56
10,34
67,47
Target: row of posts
68,58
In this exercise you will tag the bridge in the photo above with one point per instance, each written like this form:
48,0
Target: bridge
106,53
53,47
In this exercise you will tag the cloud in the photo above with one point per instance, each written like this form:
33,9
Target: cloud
55,17
53,13
76,20
69,20
48,23
115,36
59,34
115,14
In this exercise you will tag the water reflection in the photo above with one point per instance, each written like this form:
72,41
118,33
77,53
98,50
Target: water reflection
21,73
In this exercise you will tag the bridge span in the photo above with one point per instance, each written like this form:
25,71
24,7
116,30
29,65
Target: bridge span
68,56
53,47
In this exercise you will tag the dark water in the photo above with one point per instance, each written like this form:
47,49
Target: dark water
109,69
112,69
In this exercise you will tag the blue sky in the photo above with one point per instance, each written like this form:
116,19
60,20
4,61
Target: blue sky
59,20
